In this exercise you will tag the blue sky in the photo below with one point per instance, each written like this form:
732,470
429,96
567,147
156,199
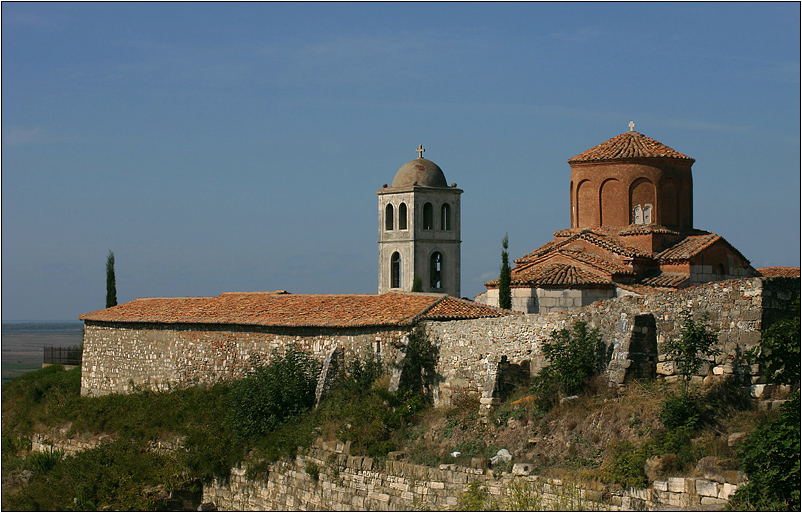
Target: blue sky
231,147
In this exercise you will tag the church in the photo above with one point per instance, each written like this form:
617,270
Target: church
631,213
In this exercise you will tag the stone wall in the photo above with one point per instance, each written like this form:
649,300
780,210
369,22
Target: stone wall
119,358
327,478
470,351
122,357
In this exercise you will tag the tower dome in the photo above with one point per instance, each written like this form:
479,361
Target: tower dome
421,172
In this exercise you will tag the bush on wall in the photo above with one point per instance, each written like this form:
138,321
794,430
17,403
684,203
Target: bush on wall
271,394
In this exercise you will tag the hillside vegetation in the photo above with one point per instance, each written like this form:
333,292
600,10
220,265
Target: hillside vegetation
624,437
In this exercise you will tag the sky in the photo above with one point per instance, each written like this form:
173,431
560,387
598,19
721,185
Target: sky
238,147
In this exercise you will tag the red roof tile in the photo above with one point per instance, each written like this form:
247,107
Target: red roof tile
628,145
451,308
294,310
779,272
559,274
688,247
666,280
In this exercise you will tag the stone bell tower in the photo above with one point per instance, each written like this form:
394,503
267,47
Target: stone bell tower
419,230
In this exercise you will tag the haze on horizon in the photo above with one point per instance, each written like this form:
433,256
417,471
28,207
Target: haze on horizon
232,147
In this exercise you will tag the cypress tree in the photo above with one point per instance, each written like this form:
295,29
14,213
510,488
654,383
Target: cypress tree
111,282
417,284
504,293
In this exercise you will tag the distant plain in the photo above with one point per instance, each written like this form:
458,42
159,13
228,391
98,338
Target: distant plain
22,343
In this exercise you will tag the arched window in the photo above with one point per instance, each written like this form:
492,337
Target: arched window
720,273
402,216
445,217
395,271
388,217
647,214
637,215
436,271
428,217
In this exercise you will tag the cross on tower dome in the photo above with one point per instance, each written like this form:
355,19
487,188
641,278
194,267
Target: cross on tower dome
420,151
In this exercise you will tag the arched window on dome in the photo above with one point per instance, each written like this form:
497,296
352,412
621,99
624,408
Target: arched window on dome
395,271
445,217
388,217
428,217
637,215
436,271
647,214
402,216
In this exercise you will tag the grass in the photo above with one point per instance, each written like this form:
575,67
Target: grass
604,436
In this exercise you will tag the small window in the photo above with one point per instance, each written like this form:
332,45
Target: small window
402,216
428,217
647,214
388,218
436,271
445,217
637,215
395,271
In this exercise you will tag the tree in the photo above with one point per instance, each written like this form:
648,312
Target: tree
574,356
504,293
111,282
417,284
271,394
693,347
418,366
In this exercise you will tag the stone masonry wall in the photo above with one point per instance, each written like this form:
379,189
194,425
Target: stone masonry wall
121,358
328,479
470,351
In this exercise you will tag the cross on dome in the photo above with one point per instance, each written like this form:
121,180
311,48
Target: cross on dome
420,151
631,126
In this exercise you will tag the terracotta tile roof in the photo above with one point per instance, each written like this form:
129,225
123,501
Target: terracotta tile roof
645,229
559,274
452,308
294,310
666,280
628,145
598,238
779,272
688,247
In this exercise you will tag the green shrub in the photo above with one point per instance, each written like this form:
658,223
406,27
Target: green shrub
778,353
574,356
418,366
770,458
627,462
693,347
271,394
121,475
43,462
682,411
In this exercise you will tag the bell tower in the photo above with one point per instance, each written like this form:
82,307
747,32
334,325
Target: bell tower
419,230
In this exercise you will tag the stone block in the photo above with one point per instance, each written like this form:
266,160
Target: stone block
727,489
676,484
661,486
666,368
709,501
707,488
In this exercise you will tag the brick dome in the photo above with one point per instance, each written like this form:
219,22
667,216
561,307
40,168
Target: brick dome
629,180
421,172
